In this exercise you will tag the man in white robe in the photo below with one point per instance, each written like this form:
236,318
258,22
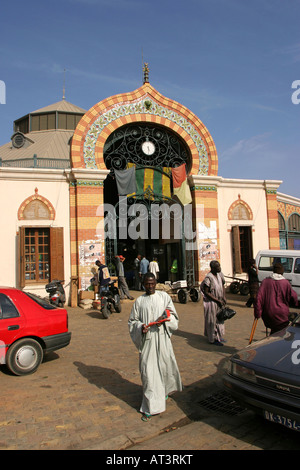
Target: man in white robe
159,371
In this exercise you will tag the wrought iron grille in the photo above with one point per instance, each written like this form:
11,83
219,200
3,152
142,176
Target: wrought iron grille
125,146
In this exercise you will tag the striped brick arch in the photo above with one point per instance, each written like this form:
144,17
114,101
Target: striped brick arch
142,105
243,204
40,199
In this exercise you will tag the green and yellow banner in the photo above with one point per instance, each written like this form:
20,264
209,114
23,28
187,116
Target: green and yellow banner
152,180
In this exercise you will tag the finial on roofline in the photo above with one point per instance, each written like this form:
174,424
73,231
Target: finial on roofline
64,87
146,73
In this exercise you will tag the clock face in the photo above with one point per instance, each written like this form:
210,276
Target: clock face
148,148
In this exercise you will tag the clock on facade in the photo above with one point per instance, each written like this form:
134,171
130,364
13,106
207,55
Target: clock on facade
148,148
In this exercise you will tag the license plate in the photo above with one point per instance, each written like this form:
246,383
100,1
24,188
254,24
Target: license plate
287,422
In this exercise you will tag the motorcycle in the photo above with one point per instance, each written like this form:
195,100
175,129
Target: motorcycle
56,292
110,300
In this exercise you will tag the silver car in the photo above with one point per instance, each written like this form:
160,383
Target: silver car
265,376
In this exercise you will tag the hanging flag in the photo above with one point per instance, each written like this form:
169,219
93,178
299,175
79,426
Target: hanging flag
155,179
181,187
126,182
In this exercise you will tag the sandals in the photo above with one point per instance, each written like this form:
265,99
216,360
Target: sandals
146,417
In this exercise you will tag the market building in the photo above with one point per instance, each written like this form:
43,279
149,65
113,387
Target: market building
136,173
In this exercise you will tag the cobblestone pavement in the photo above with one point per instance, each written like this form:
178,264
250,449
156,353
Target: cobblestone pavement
87,396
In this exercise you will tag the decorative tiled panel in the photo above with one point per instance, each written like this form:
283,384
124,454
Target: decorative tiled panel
86,226
146,107
286,209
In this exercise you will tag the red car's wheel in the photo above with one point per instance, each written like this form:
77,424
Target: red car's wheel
24,356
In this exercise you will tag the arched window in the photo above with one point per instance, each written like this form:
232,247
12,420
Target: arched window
294,231
294,223
281,222
240,212
41,246
36,210
36,207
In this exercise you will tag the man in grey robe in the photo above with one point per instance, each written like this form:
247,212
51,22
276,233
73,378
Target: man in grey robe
213,300
122,283
159,371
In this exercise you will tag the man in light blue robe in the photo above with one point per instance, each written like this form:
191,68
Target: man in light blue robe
159,371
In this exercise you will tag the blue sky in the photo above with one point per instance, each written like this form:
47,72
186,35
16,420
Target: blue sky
231,62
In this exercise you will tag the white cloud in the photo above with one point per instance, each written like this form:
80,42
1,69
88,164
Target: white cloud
292,52
252,147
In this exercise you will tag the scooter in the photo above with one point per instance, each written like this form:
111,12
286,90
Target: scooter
56,292
110,300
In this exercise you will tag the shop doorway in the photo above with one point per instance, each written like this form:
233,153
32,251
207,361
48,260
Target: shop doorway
135,232
242,249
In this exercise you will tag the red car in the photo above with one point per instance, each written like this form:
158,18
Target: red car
29,328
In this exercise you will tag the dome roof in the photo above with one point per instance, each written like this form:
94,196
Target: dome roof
63,106
45,133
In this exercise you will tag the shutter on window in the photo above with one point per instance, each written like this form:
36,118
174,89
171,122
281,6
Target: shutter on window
21,248
236,250
57,253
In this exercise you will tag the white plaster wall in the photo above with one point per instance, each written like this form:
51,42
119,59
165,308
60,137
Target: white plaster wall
254,194
16,185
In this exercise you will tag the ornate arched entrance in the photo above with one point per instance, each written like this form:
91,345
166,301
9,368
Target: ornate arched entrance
152,150
149,132
143,105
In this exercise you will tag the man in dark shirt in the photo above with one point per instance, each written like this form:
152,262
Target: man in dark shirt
103,276
137,272
273,299
252,282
